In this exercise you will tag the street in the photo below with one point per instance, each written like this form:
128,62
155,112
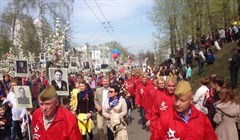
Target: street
135,131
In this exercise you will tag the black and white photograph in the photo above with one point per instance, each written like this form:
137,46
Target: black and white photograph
23,96
42,57
74,62
59,79
66,65
86,65
34,66
21,68
97,67
104,67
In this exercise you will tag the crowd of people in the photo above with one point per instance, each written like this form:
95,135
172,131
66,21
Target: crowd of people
163,95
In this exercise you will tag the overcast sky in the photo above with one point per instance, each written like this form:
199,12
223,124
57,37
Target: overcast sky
129,19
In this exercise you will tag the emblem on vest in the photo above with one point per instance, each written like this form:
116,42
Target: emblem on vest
141,91
171,135
163,107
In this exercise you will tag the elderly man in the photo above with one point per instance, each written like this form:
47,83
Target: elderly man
184,121
52,121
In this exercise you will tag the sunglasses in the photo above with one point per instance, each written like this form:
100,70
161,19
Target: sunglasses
110,91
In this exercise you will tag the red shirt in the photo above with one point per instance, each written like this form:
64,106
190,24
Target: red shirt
171,126
63,127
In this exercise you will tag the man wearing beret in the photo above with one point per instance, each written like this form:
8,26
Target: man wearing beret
184,121
51,121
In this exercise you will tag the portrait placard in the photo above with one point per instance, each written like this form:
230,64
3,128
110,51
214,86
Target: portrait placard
86,65
73,62
105,67
34,66
97,68
66,65
42,57
21,68
58,77
23,96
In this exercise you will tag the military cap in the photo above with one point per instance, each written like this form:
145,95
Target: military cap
182,88
48,93
14,81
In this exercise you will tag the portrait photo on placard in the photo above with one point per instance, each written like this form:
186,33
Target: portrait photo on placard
66,65
74,62
42,57
58,77
23,96
21,67
97,67
86,65
34,66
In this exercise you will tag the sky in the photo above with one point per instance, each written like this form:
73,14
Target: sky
129,19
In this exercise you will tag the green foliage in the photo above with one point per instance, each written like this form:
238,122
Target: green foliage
181,20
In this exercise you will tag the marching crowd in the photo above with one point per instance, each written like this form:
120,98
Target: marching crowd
163,95
166,103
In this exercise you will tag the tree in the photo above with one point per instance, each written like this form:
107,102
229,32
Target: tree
176,20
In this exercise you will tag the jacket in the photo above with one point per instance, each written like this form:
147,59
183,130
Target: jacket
64,86
130,87
225,119
120,108
63,127
74,100
83,124
162,102
171,126
118,127
140,95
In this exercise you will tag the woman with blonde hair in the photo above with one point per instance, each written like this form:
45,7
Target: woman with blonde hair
227,110
74,101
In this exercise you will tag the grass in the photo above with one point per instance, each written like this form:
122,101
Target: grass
219,67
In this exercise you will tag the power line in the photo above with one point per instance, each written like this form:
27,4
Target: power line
107,22
98,18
